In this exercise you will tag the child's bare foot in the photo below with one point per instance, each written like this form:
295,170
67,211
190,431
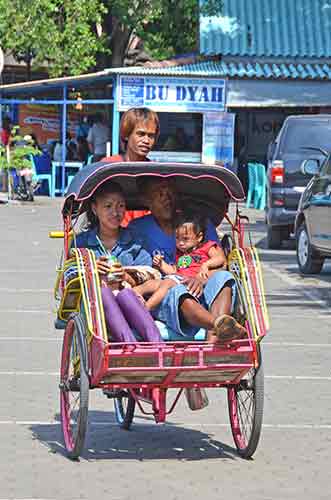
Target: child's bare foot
227,328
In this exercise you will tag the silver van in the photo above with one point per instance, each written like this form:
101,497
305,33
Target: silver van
286,180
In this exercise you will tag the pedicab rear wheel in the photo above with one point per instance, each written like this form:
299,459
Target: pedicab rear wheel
74,387
124,410
245,401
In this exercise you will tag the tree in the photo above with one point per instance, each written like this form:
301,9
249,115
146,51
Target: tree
168,27
58,34
73,36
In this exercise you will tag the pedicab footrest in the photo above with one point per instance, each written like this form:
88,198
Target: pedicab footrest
174,365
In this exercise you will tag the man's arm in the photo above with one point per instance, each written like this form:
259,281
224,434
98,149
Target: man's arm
211,233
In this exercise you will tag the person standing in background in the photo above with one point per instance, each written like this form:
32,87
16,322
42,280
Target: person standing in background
139,131
82,128
98,136
6,136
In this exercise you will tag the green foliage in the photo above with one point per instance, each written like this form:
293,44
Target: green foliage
59,33
64,34
168,27
19,153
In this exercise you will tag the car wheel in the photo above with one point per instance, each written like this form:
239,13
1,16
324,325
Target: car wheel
309,261
274,237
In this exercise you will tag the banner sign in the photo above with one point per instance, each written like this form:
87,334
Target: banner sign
44,121
171,94
218,138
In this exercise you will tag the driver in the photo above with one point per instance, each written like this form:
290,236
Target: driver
179,309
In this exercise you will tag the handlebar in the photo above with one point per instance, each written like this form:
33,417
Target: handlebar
58,234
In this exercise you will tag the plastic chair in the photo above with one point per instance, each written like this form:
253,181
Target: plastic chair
42,177
260,187
252,179
70,177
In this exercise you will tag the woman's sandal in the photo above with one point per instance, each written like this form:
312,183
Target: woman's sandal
227,329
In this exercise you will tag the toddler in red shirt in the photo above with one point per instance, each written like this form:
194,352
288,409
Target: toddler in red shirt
195,257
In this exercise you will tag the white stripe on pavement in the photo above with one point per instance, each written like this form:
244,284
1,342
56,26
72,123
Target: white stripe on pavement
202,424
24,373
38,339
293,282
36,271
297,377
26,311
275,377
26,290
293,344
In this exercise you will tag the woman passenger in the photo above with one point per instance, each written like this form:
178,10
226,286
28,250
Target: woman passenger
109,241
114,247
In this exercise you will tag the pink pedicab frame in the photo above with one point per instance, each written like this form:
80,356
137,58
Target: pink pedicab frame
145,371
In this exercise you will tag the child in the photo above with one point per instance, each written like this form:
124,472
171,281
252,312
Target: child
195,257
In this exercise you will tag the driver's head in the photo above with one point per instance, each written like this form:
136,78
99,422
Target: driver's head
159,195
139,131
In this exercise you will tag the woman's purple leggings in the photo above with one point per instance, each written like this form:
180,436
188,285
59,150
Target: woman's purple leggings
124,312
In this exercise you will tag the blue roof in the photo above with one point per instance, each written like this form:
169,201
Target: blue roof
247,69
269,28
239,69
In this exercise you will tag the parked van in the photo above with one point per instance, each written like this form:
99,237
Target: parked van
286,180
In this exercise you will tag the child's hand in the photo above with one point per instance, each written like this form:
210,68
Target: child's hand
204,271
157,261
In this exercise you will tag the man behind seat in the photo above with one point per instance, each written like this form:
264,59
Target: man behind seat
194,304
157,229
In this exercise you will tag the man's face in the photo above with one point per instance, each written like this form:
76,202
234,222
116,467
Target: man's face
141,140
161,199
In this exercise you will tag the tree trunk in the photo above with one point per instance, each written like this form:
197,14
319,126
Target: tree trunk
118,43
118,38
28,68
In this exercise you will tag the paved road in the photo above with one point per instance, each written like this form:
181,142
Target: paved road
191,456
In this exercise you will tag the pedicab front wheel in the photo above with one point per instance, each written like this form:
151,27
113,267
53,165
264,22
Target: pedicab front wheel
245,401
124,410
74,387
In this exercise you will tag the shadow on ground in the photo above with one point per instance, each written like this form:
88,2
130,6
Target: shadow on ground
142,442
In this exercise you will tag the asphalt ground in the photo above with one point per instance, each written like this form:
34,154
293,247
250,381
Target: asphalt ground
193,454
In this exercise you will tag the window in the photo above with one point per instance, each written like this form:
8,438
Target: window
326,169
307,133
180,132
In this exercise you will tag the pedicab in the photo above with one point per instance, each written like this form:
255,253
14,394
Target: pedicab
140,374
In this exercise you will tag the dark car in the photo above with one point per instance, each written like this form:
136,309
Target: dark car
286,181
313,220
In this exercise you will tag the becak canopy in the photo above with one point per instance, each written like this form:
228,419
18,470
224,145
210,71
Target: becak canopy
197,184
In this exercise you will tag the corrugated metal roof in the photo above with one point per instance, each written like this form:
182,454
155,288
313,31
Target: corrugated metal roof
285,28
240,69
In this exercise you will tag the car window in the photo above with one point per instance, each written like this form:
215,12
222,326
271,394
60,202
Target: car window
300,135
